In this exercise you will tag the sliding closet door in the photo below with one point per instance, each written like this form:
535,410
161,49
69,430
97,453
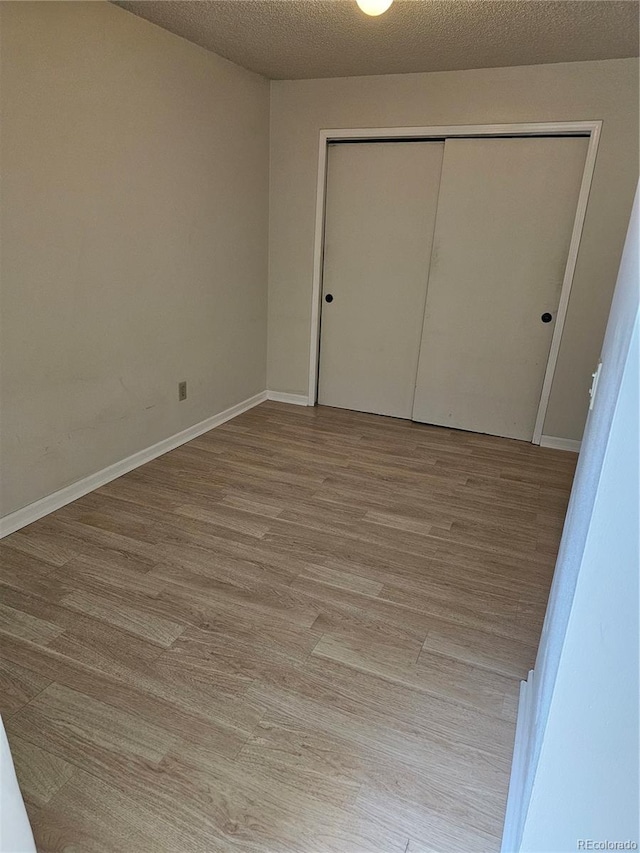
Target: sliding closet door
505,217
380,215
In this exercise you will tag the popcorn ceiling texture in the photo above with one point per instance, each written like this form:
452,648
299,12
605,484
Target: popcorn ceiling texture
295,39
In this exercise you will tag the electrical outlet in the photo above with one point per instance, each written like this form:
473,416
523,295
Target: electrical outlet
182,391
594,385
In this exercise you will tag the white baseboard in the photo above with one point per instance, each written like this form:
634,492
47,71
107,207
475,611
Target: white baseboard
293,399
514,815
560,443
50,503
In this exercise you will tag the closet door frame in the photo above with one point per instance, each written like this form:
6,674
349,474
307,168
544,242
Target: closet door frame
590,129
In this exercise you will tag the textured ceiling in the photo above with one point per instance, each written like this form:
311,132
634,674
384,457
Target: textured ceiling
292,39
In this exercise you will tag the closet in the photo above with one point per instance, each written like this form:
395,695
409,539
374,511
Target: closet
442,271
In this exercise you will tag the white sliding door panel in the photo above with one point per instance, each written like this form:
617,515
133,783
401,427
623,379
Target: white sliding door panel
380,215
505,216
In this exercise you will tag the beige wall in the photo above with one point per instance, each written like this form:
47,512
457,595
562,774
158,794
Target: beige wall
567,92
134,239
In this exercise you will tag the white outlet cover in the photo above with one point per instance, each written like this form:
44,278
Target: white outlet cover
594,385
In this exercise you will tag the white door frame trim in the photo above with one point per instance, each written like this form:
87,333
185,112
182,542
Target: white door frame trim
591,129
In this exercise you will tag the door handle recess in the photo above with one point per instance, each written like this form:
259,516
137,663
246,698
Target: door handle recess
546,317
328,298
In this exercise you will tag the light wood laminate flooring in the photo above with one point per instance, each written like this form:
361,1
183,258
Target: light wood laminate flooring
303,631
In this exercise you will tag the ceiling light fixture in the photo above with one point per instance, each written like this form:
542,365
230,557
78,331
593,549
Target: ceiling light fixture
374,7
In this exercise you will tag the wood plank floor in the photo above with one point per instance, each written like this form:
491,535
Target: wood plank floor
302,631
